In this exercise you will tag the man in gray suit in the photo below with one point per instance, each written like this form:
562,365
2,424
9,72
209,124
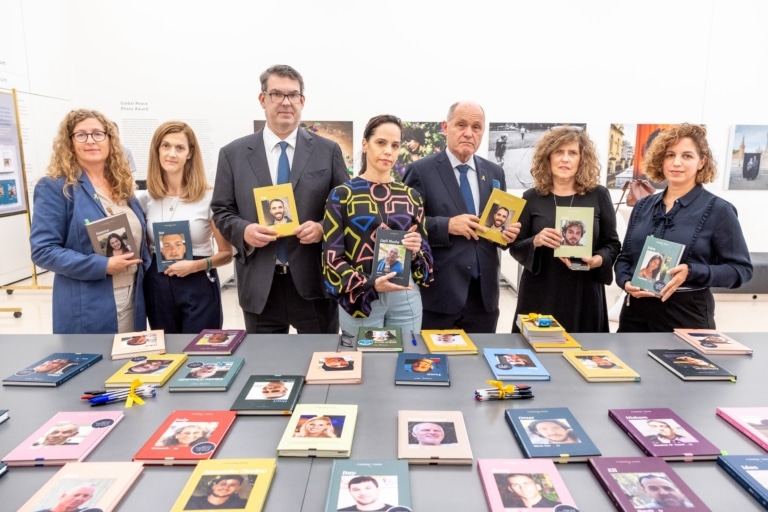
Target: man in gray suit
279,283
456,185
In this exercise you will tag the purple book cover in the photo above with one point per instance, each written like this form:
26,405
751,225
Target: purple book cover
210,342
659,432
644,483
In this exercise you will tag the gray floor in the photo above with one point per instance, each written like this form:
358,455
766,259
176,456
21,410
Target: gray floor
734,313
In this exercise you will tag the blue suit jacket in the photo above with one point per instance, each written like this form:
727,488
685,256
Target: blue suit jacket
83,297
454,256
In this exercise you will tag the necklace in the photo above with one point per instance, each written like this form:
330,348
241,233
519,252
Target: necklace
554,198
174,202
373,188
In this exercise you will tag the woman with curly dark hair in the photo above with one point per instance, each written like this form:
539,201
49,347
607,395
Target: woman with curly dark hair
566,172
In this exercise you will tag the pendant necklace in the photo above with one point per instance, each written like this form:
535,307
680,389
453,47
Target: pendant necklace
554,198
174,202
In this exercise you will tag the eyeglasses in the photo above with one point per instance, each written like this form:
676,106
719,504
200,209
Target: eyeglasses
278,97
346,340
97,136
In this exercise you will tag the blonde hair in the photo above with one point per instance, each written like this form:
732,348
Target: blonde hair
193,181
588,174
64,162
653,165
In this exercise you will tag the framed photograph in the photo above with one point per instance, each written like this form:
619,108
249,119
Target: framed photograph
747,158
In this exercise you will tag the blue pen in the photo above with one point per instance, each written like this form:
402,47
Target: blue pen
413,339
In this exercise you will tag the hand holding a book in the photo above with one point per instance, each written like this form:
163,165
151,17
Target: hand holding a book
257,235
185,267
465,225
679,275
548,237
412,241
594,262
121,262
310,232
382,284
511,231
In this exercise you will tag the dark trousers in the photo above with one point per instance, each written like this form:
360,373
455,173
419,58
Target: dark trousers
183,305
472,318
286,308
687,310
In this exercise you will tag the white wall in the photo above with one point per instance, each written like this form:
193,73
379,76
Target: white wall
591,61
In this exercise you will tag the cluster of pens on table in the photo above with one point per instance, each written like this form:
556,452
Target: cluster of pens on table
499,391
104,397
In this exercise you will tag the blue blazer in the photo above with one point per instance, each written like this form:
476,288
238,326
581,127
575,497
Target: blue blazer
454,256
83,297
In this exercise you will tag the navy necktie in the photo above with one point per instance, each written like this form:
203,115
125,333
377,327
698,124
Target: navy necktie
466,190
283,176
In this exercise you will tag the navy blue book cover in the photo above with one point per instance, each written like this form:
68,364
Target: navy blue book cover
422,369
750,472
53,370
173,243
551,433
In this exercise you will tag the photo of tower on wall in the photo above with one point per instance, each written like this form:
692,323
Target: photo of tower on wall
627,146
746,166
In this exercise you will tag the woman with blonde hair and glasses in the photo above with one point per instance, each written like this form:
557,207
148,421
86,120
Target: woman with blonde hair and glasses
89,179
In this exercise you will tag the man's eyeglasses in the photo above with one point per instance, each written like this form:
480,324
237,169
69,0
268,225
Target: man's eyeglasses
278,97
346,340
81,137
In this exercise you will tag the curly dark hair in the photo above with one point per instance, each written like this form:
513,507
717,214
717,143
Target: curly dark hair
653,165
588,173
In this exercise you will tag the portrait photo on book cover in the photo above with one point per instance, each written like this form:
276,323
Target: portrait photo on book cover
53,367
573,231
64,433
187,433
222,491
367,492
277,210
448,339
526,490
708,340
662,431
650,267
198,370
598,362
510,361
270,390
422,364
213,338
390,258
550,431
431,433
319,426
692,362
75,494
149,340
653,490
380,335
499,217
114,243
340,363
148,366
173,246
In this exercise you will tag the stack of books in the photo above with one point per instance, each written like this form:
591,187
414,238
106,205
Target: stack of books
552,338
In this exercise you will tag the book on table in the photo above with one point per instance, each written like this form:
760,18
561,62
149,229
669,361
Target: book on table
557,346
390,255
511,364
712,342
131,344
231,484
550,433
600,366
750,472
52,370
448,341
520,484
375,484
657,257
151,369
269,395
186,437
433,437
319,430
690,365
215,342
379,339
206,373
67,437
111,233
173,242
414,369
646,483
335,368
750,421
540,328
659,432
88,486
501,210
276,208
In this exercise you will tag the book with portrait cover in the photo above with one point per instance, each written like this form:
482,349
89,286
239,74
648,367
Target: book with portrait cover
53,370
111,233
131,344
657,257
710,341
501,210
433,437
319,430
276,208
749,471
521,484
269,395
152,369
448,341
558,346
413,369
215,342
550,433
377,484
647,483
576,227
380,339
173,243
600,366
186,437
541,328
94,486
515,364
660,432
335,368
231,484
206,373
750,421
690,365
390,255
66,437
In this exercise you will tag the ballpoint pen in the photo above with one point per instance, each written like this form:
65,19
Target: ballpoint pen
413,339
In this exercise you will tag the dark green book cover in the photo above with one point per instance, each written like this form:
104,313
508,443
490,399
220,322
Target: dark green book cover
206,373
380,339
269,395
